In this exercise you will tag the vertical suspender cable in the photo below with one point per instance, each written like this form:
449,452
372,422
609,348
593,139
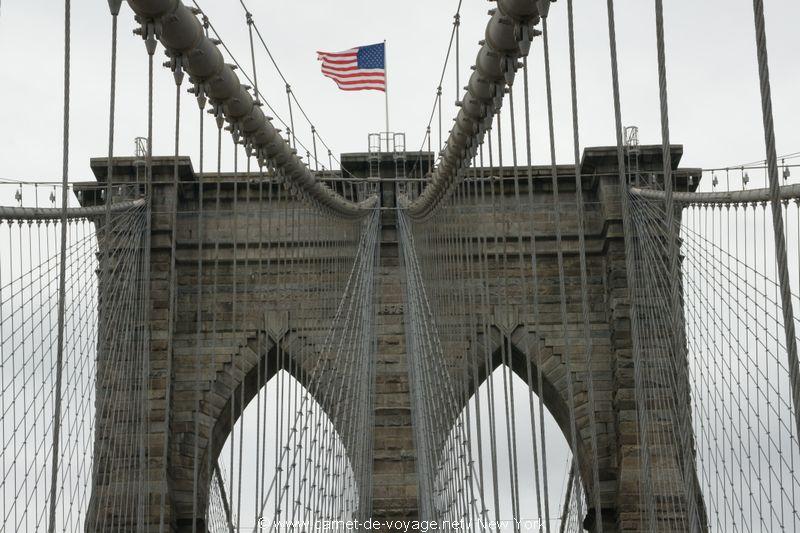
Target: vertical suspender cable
430,153
626,223
457,24
215,281
507,344
676,319
535,308
439,106
235,360
173,270
587,334
568,496
293,137
314,141
666,152
150,44
51,527
574,432
115,7
775,202
249,18
106,268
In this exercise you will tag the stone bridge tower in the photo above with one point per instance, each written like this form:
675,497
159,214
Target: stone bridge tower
257,340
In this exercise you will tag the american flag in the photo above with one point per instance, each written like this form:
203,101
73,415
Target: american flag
359,69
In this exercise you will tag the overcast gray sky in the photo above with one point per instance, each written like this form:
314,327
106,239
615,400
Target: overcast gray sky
713,87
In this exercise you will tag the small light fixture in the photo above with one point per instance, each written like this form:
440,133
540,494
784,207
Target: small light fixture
786,173
745,179
714,181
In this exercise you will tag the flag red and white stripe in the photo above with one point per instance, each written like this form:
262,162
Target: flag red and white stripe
357,69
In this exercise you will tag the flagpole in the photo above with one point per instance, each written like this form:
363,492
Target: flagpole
386,90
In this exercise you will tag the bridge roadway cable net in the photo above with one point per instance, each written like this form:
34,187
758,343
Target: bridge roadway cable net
29,296
296,324
201,352
462,299
742,416
690,439
309,317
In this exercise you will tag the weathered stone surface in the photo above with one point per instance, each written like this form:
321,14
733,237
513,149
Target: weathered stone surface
243,288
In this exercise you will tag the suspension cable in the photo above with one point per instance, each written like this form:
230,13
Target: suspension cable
62,283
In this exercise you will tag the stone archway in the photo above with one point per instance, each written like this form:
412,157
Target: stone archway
231,387
525,353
